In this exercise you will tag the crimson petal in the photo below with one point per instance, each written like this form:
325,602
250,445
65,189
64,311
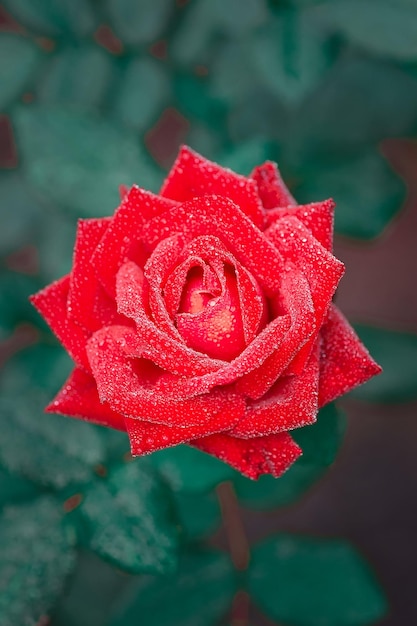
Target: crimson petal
121,241
51,303
192,175
130,386
271,188
345,362
79,398
318,217
272,454
291,403
218,216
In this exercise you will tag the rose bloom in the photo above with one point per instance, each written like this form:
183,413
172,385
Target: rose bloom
204,315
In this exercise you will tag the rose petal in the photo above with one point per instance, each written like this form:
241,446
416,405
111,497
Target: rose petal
252,457
295,300
271,188
322,270
318,217
214,215
121,241
165,351
79,398
192,175
130,386
147,437
51,303
345,362
291,403
88,303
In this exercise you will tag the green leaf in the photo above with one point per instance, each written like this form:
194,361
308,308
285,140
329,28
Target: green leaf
396,352
384,27
80,160
290,56
91,594
244,156
35,559
54,17
48,449
362,102
205,20
15,489
199,514
67,78
20,212
198,595
319,443
138,22
18,59
314,582
55,244
15,307
366,191
190,470
143,92
129,520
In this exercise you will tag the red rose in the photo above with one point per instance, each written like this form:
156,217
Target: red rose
203,315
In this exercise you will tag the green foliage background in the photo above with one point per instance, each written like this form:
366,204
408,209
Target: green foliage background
99,93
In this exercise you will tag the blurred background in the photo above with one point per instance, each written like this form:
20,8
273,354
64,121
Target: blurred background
99,93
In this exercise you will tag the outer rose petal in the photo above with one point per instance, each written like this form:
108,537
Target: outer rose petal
345,363
88,303
291,403
192,175
51,303
79,398
146,437
318,217
323,271
131,386
121,241
218,216
252,457
271,188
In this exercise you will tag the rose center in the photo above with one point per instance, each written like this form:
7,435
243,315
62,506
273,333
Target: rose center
209,317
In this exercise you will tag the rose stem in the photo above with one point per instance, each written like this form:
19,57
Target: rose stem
238,546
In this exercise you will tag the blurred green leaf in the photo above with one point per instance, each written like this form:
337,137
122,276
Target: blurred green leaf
55,244
314,582
366,190
361,102
204,21
319,443
35,560
198,595
91,594
129,520
15,288
396,352
190,470
243,157
199,513
78,75
138,22
290,55
383,27
15,489
79,160
54,17
143,91
18,59
49,449
20,212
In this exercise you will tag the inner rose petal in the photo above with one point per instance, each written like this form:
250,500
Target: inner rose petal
209,322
